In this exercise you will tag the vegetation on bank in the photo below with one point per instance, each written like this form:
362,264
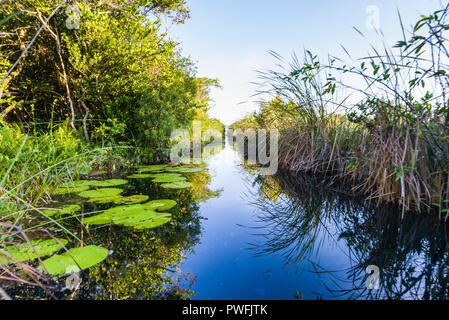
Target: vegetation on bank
87,86
377,126
82,76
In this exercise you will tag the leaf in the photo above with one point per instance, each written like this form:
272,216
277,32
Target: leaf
132,199
108,183
164,178
66,190
69,209
152,168
177,185
103,200
160,205
83,258
23,252
100,193
141,176
137,216
186,170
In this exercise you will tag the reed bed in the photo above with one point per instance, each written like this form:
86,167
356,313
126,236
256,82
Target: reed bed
387,137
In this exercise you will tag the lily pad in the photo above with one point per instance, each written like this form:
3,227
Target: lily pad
146,220
83,258
132,199
140,176
109,183
65,190
154,167
103,200
177,185
69,209
108,216
100,193
165,179
185,169
159,205
137,216
82,183
23,252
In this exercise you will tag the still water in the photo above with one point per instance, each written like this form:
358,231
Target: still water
238,235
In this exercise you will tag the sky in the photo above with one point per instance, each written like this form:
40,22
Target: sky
229,40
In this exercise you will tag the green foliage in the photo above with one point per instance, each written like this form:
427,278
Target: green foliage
118,77
74,260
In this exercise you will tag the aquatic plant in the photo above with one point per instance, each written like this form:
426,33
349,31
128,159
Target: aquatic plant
177,185
74,260
100,193
29,251
68,209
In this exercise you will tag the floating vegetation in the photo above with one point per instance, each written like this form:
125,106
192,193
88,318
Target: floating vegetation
118,199
131,199
185,169
162,204
83,258
100,193
145,220
168,177
177,185
82,183
68,209
137,216
104,200
66,190
149,170
141,176
154,166
24,252
108,183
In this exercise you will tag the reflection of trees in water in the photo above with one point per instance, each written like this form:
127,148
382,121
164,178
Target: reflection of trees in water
412,253
144,263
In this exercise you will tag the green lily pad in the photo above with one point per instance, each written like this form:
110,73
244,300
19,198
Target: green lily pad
146,220
107,216
132,199
23,252
100,193
109,183
177,185
83,258
69,209
66,190
137,216
166,178
82,183
103,200
185,169
140,176
159,205
154,167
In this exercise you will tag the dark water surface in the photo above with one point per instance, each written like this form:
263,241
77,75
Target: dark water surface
238,235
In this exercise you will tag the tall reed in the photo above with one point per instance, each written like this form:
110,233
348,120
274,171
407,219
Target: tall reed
387,135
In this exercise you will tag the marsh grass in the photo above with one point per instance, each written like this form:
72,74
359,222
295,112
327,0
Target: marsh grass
387,136
31,168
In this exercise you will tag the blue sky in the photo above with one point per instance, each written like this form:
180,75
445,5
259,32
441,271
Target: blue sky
229,39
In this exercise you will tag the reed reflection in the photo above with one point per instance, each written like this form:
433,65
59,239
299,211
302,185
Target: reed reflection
295,216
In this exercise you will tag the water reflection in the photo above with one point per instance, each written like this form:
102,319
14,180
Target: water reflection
295,218
143,264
